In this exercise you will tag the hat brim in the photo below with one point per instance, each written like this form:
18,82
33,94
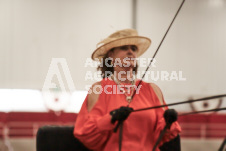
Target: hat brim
142,44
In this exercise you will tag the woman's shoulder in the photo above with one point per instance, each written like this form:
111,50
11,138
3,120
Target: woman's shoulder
93,95
149,84
158,93
155,88
104,81
95,91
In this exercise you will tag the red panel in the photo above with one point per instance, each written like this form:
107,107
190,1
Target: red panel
203,125
40,117
26,124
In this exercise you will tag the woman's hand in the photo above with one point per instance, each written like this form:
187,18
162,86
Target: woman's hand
120,114
170,116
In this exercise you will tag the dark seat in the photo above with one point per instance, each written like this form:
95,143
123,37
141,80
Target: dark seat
172,145
58,138
61,138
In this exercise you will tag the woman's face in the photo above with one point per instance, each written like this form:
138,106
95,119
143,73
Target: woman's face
124,56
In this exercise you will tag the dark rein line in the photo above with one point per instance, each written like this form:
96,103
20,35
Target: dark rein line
184,102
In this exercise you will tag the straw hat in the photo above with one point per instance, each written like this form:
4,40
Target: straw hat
121,38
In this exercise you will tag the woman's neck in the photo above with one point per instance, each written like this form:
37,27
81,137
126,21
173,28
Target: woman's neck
124,76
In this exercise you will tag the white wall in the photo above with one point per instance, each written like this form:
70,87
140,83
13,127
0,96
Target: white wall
32,32
196,45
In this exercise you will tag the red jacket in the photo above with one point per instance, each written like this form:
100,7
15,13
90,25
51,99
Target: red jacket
140,130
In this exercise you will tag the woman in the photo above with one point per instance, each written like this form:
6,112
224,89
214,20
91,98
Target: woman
110,101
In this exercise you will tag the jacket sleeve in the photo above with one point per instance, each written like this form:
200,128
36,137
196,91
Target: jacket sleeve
171,133
92,128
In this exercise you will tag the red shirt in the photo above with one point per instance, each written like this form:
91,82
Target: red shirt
140,130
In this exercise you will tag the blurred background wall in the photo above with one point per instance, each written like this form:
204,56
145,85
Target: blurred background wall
33,32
